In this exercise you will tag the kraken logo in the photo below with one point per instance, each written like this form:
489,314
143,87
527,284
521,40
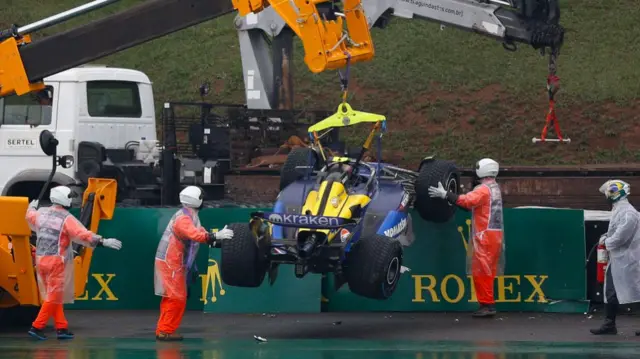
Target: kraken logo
214,279
275,218
465,239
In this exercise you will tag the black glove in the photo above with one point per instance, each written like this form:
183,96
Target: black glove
452,197
213,242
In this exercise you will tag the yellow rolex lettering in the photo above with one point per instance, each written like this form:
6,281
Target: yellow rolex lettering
503,288
104,286
460,290
536,283
419,288
453,288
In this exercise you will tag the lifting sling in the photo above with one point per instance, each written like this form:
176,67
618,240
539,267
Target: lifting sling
553,85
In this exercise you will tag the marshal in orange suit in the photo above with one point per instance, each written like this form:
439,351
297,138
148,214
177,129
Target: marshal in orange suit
175,260
485,256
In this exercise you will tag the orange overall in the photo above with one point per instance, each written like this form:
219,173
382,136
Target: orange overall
175,255
485,258
56,229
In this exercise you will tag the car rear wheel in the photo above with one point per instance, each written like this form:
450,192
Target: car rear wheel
373,267
242,262
430,173
299,157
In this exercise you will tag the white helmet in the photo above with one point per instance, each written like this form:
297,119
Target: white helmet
487,167
61,195
615,190
191,197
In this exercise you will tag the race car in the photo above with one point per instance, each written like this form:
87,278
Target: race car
339,215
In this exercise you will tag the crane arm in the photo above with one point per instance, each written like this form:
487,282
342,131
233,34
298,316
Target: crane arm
23,64
532,22
328,41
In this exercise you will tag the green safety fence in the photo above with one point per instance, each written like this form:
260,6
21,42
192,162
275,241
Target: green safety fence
288,294
544,271
124,279
545,256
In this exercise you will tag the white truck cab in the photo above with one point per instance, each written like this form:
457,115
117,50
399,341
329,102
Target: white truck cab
111,106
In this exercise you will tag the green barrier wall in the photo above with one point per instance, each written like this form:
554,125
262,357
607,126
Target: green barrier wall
124,279
544,261
288,294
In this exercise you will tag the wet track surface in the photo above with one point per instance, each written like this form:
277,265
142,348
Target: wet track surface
117,334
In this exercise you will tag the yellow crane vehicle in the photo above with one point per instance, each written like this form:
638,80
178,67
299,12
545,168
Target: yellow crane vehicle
19,294
334,35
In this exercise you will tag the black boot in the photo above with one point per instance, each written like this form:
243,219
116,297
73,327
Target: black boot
37,333
166,337
485,311
64,334
609,326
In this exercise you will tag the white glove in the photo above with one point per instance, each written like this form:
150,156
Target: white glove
33,204
602,239
112,243
438,192
224,233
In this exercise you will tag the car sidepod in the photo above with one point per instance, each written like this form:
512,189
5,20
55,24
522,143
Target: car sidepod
290,200
388,214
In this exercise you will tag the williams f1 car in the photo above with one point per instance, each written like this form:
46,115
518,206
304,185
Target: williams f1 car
339,215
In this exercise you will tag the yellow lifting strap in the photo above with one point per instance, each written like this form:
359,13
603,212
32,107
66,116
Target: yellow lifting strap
347,116
326,44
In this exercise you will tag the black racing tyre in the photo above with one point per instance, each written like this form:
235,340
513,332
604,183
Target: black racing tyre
298,157
430,173
242,262
373,267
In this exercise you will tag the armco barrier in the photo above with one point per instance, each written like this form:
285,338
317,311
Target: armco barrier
545,262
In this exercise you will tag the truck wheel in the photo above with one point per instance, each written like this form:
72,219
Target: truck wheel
373,267
297,157
430,173
242,262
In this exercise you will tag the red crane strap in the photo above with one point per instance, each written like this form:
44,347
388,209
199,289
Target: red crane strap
553,83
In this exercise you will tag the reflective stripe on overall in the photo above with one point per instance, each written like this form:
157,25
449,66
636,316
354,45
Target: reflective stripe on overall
189,255
174,258
496,217
54,258
49,224
486,245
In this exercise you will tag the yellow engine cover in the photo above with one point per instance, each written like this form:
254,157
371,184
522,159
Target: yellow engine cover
332,200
